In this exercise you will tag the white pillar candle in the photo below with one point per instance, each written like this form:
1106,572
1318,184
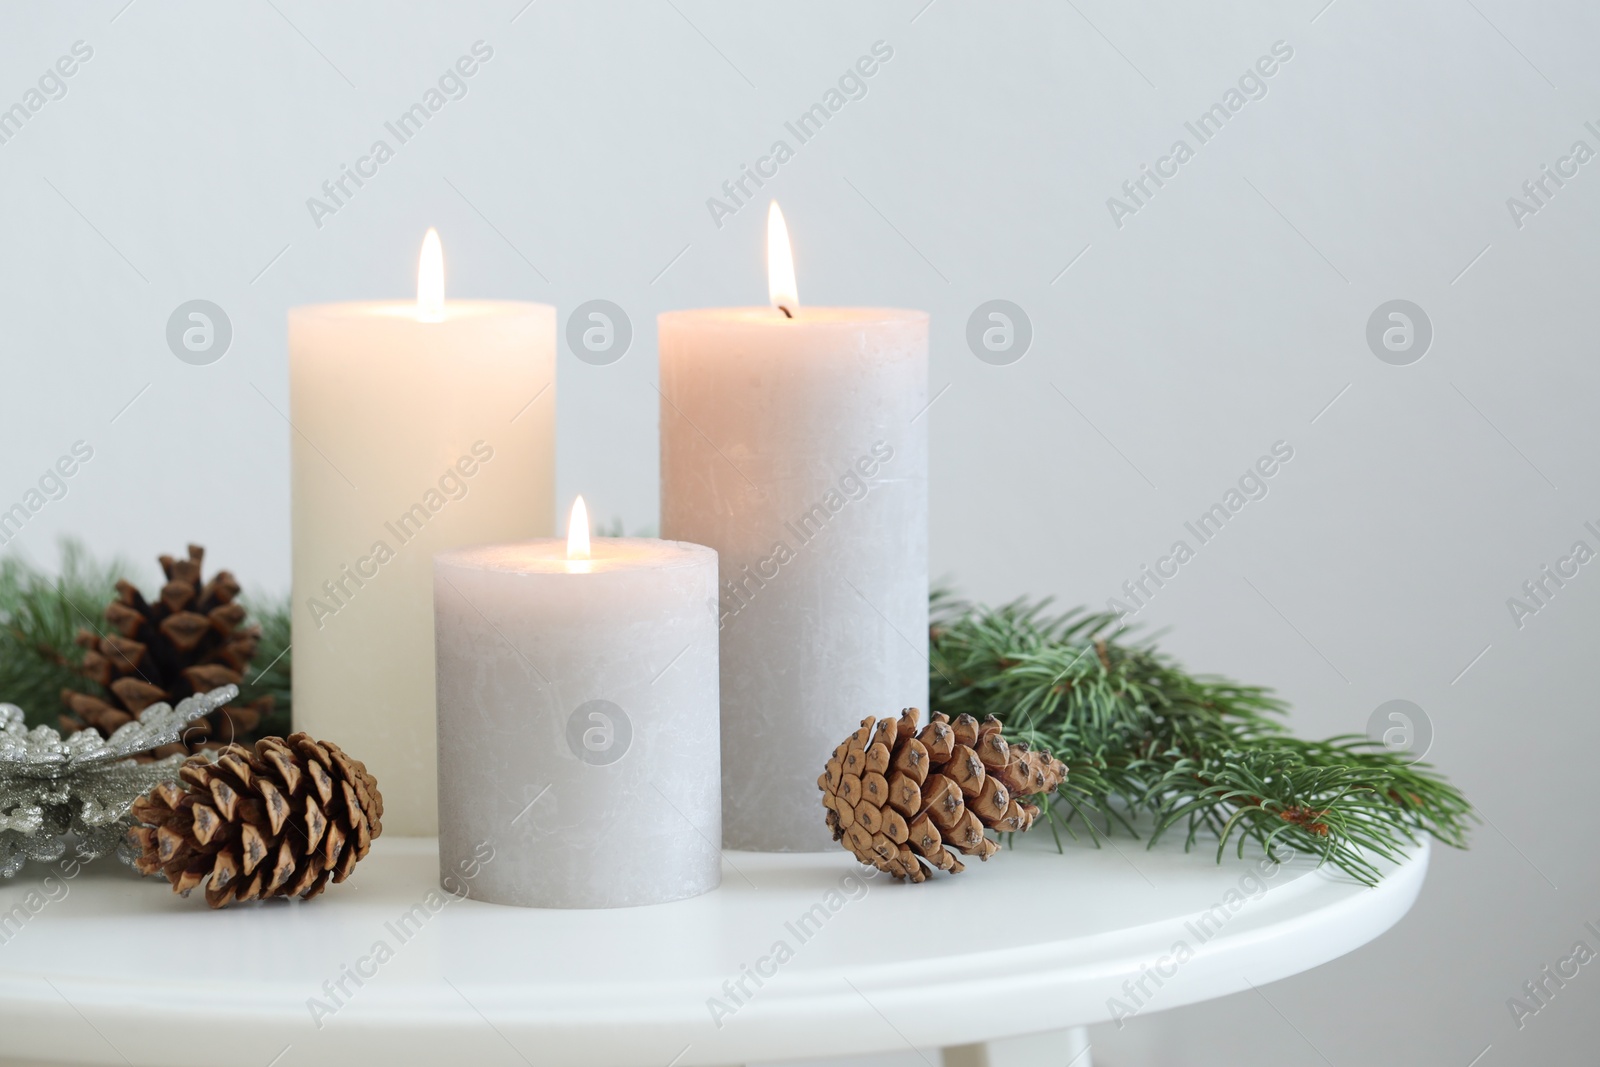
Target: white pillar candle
797,447
415,427
578,725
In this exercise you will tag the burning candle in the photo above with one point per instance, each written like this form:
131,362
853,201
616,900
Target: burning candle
794,442
415,426
578,726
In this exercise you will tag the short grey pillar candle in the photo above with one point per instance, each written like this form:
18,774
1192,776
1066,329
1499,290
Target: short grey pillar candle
578,722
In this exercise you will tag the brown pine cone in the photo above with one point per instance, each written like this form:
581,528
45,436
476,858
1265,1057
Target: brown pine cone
277,822
896,797
192,639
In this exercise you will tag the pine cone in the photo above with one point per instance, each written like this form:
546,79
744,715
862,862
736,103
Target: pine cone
277,822
191,640
896,797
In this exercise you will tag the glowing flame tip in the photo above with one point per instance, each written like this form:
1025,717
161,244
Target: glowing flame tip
578,531
782,291
430,279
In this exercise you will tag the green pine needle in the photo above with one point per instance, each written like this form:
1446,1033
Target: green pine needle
40,613
1198,755
1145,742
269,672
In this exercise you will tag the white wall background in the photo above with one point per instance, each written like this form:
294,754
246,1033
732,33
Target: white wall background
1222,317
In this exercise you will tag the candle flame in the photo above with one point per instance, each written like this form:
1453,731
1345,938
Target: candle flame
578,531
781,288
430,279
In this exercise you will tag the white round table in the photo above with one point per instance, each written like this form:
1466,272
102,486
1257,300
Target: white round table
796,956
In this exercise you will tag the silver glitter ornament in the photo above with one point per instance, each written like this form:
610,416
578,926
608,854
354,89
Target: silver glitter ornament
53,790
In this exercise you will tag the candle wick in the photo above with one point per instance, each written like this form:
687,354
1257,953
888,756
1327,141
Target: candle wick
786,312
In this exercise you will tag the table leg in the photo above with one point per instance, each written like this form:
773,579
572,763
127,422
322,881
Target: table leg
1059,1048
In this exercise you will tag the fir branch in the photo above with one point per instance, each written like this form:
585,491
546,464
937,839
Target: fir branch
39,616
1145,742
270,671
1198,755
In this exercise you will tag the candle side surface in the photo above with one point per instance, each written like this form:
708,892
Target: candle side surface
798,449
579,737
407,437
